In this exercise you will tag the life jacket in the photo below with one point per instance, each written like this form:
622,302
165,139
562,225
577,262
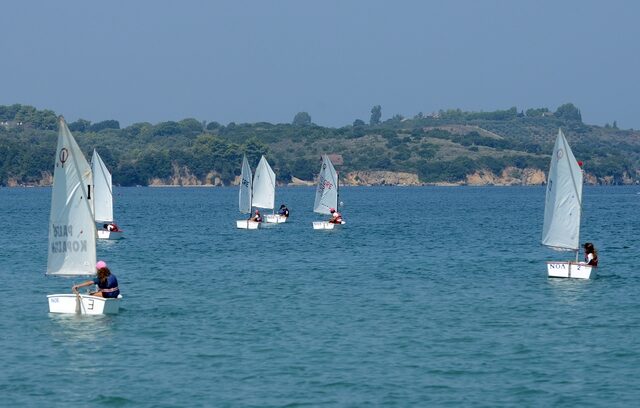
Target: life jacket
593,262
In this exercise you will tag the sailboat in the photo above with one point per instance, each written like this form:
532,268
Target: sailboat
327,193
72,230
103,198
264,187
563,211
264,191
245,196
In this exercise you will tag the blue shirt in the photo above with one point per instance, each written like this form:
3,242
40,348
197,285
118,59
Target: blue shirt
112,282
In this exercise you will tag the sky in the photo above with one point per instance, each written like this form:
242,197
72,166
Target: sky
252,61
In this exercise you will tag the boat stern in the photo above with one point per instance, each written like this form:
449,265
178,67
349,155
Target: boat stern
69,303
576,270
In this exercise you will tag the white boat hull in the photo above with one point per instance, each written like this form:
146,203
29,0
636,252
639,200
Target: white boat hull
246,224
576,270
70,303
275,218
104,234
318,225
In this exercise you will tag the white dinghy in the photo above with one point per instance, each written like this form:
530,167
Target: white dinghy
327,194
245,196
563,211
264,189
103,199
72,230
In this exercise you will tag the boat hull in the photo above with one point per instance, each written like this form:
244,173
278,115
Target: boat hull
70,303
112,235
246,224
576,270
275,218
320,225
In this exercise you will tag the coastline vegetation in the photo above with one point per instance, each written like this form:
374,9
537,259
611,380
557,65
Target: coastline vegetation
444,146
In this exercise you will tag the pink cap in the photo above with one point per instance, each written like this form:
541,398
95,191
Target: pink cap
101,264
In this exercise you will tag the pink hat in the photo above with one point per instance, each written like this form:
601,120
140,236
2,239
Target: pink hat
101,264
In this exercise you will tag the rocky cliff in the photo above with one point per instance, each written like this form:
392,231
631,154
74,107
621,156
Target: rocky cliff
510,176
380,178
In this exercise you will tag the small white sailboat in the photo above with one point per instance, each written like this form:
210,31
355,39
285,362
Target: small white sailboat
264,188
264,191
72,230
103,199
563,211
327,193
245,196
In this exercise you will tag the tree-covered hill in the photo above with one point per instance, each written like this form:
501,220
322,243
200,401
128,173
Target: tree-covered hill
447,146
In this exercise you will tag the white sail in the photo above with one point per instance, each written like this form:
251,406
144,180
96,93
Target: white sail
244,199
264,185
103,195
327,190
72,230
563,205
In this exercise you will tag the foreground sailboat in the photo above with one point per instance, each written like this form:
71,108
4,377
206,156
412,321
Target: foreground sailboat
563,210
327,193
103,198
245,196
72,230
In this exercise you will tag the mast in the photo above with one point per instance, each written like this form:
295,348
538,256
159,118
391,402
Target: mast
580,163
337,191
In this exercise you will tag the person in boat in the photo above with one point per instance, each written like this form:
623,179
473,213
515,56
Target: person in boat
284,211
590,254
257,217
106,281
111,227
336,217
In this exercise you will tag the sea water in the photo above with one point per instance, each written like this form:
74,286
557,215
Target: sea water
426,297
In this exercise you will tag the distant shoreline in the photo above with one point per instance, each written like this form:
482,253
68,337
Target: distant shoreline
343,185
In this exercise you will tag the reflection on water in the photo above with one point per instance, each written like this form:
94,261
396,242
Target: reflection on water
77,328
570,291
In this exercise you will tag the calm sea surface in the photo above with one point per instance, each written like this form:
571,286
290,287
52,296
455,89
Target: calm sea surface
427,297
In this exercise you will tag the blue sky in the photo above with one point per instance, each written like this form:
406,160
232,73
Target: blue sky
250,61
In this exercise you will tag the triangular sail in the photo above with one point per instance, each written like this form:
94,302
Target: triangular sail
244,200
103,196
563,205
72,230
327,190
264,186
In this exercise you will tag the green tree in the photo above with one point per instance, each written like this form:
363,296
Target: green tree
536,113
80,125
213,125
376,114
568,112
301,119
105,124
191,125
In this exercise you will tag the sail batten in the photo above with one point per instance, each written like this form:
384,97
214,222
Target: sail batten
327,189
72,231
563,201
103,195
264,186
244,197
